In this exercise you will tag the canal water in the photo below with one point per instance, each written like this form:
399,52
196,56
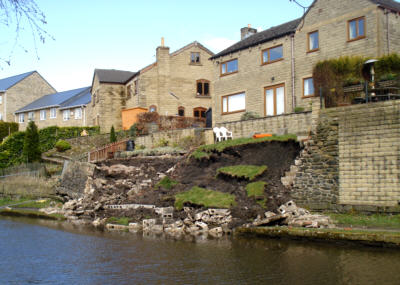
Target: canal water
43,252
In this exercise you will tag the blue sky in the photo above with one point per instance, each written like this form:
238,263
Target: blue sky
124,34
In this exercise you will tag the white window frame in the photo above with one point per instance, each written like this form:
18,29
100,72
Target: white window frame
31,116
76,112
307,84
21,118
1,98
51,113
66,115
42,115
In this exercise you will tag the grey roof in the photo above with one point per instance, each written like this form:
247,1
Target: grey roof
114,76
261,37
7,83
53,100
81,99
390,4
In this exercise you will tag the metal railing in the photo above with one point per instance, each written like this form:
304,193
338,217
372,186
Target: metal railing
107,152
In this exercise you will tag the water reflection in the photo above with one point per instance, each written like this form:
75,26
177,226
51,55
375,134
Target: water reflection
44,252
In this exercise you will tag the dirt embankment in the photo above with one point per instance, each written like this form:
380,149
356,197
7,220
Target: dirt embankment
277,156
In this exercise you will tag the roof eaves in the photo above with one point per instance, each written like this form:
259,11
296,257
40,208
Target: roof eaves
36,109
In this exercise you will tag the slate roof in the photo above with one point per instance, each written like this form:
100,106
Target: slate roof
114,76
7,83
81,99
56,100
261,37
390,4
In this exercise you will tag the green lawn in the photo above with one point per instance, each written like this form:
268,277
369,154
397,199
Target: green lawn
166,183
371,221
256,189
249,172
118,221
9,201
205,150
204,197
38,204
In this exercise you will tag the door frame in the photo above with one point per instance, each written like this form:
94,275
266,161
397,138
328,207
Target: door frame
274,87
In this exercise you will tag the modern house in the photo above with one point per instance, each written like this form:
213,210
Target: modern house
63,109
109,96
177,84
270,72
19,90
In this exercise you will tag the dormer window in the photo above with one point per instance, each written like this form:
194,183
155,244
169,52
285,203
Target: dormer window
195,57
203,87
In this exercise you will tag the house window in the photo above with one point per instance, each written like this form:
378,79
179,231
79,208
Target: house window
21,118
1,99
308,87
356,29
78,113
66,115
203,87
31,116
181,111
129,91
275,100
53,113
313,41
1,116
199,112
195,57
152,109
234,103
42,115
272,54
229,67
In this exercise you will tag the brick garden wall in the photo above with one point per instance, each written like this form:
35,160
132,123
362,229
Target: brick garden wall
352,159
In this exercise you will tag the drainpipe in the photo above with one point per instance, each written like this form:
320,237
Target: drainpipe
293,73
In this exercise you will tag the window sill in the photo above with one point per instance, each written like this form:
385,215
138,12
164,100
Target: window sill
196,63
270,62
313,50
226,74
203,96
356,39
230,113
309,96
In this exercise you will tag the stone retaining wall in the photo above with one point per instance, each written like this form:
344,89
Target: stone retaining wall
296,123
352,160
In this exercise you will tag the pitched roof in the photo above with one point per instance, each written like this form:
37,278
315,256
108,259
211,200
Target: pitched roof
7,83
192,44
53,100
81,99
114,76
390,4
261,37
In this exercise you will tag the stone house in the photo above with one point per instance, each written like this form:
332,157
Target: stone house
19,90
109,97
270,72
63,109
178,83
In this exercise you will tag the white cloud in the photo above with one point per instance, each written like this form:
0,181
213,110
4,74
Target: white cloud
218,44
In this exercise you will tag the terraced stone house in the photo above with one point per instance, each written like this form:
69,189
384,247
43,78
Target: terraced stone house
178,83
270,72
63,109
20,90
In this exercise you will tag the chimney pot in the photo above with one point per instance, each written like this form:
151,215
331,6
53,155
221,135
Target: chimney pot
162,41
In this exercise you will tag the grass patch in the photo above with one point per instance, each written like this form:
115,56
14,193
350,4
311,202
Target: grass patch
206,150
372,221
166,183
8,201
204,197
248,172
256,189
31,214
124,221
39,204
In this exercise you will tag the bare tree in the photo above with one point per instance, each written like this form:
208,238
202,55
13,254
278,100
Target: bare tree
22,15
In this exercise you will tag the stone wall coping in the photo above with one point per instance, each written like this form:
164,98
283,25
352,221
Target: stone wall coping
268,117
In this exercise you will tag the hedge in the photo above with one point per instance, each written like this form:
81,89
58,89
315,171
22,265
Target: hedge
11,148
7,128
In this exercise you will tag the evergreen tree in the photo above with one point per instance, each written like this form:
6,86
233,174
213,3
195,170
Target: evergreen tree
113,137
31,149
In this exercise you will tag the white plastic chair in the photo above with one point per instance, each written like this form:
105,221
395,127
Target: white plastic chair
218,134
225,133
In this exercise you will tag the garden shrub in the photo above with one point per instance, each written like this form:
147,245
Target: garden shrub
62,145
31,151
7,128
113,137
298,109
249,115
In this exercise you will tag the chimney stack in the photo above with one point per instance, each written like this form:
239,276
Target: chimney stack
247,32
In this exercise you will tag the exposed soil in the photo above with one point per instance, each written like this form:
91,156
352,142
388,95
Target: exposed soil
277,156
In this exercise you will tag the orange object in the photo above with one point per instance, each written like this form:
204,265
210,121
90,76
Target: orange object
258,136
129,116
